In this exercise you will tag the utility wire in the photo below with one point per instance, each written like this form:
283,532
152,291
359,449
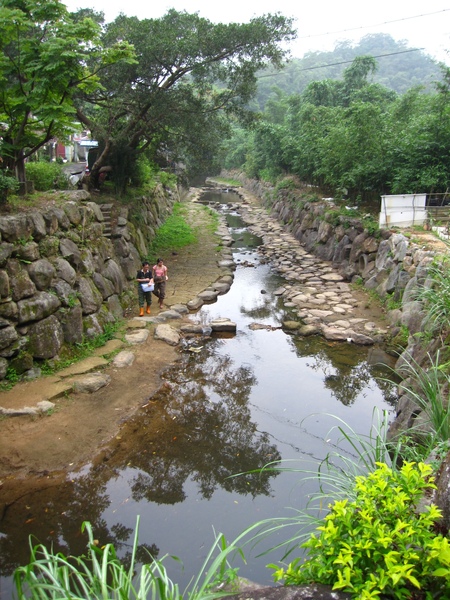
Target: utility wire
344,62
305,37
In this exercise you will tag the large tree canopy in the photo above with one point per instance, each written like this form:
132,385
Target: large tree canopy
189,73
44,60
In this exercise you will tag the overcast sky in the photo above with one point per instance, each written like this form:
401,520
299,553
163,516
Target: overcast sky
319,24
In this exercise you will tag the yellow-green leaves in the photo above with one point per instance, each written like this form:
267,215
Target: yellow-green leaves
379,544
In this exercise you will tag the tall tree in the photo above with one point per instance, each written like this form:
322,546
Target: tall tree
43,61
188,68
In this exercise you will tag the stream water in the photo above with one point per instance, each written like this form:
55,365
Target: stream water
231,405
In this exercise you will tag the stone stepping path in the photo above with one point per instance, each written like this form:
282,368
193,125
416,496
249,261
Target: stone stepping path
315,292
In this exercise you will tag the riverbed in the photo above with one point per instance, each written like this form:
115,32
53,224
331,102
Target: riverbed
231,405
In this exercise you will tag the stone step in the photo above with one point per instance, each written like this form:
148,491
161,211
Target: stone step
106,212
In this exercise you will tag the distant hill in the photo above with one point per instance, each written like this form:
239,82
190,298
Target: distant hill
399,67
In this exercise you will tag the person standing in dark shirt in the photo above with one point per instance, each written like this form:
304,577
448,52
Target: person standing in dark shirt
144,276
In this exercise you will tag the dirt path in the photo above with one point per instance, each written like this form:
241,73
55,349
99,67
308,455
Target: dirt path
38,448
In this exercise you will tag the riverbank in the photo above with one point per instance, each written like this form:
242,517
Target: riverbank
39,451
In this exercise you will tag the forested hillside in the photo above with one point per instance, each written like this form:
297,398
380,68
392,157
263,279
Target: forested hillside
350,136
399,67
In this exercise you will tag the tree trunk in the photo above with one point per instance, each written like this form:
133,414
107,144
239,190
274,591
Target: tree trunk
21,174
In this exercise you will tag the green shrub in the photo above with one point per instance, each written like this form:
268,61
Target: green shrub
378,543
167,179
46,176
8,184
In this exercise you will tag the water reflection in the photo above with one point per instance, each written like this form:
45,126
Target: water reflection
200,427
344,374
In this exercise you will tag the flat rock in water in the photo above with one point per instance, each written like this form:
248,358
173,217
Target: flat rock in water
221,288
192,328
223,325
137,337
208,295
306,330
227,263
291,325
168,334
279,291
195,303
342,335
124,359
91,383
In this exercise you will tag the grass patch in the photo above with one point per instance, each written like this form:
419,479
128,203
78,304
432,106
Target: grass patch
99,574
174,234
227,181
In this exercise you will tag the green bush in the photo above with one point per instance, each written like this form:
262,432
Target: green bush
379,543
46,176
8,184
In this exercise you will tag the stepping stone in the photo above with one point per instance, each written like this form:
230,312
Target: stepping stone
91,383
223,325
168,334
137,337
124,359
84,366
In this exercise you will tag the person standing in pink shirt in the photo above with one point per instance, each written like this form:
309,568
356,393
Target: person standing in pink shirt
160,277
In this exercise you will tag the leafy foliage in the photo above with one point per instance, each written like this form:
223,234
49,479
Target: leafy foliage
46,176
44,60
435,293
378,543
100,574
399,69
190,75
351,137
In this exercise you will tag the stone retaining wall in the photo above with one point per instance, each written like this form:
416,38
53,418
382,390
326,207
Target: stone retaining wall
62,279
389,264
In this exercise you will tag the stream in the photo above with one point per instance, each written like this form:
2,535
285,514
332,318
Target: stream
231,405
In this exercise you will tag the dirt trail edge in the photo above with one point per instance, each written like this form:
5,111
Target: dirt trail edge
39,450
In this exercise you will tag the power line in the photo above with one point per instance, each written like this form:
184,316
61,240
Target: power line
350,61
305,37
344,62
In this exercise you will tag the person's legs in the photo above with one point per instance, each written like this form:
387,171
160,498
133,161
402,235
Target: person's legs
162,293
148,299
141,299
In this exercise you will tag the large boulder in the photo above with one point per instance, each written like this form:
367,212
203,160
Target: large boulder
15,227
65,271
114,274
70,251
90,297
71,320
45,338
20,282
42,273
40,306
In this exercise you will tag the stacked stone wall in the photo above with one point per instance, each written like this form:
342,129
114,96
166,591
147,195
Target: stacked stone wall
386,262
62,279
